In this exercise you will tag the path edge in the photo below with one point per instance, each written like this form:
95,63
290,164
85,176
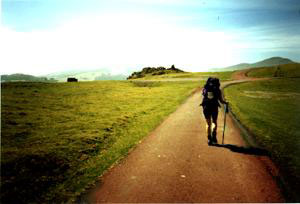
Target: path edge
288,194
84,197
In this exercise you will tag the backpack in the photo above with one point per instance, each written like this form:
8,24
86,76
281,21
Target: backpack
211,92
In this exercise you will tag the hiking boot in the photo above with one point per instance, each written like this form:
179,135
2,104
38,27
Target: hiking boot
214,140
214,137
209,140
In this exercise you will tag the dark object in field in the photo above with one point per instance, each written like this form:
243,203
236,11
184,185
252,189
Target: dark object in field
71,79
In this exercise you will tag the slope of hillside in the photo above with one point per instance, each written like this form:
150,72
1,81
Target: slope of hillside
24,77
87,75
285,70
264,63
272,61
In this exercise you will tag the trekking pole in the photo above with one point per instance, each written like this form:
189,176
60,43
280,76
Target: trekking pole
225,111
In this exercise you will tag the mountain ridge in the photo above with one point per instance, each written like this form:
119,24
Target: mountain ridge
272,61
24,77
88,75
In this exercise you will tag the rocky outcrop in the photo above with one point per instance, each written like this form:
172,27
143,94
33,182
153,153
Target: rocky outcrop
154,71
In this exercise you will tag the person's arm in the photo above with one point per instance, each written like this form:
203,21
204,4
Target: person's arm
221,98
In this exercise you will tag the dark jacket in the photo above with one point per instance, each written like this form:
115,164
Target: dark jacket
211,97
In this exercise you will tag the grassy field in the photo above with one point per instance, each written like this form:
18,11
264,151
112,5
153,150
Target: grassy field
201,75
286,70
271,110
57,139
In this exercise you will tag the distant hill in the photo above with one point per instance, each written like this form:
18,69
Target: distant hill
154,71
264,63
24,77
284,70
272,61
111,77
238,67
87,75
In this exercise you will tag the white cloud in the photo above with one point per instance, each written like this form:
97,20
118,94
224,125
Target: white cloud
119,42
218,4
116,41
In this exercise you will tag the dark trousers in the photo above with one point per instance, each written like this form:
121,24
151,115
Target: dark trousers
211,116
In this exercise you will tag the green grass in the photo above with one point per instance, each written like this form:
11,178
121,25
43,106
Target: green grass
286,70
271,110
201,75
57,139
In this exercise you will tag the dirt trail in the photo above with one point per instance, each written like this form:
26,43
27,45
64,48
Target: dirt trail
175,164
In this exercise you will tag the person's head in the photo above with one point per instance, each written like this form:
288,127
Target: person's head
216,81
208,80
212,81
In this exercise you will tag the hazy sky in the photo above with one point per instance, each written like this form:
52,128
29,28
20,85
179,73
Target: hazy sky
45,36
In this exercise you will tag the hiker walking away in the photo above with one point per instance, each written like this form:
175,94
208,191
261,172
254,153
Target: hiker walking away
211,96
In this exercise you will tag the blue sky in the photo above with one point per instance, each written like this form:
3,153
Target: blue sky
45,36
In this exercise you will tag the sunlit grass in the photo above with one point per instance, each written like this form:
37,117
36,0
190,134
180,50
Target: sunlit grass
195,75
58,138
271,110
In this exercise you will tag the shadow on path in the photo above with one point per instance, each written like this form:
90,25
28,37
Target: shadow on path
244,150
